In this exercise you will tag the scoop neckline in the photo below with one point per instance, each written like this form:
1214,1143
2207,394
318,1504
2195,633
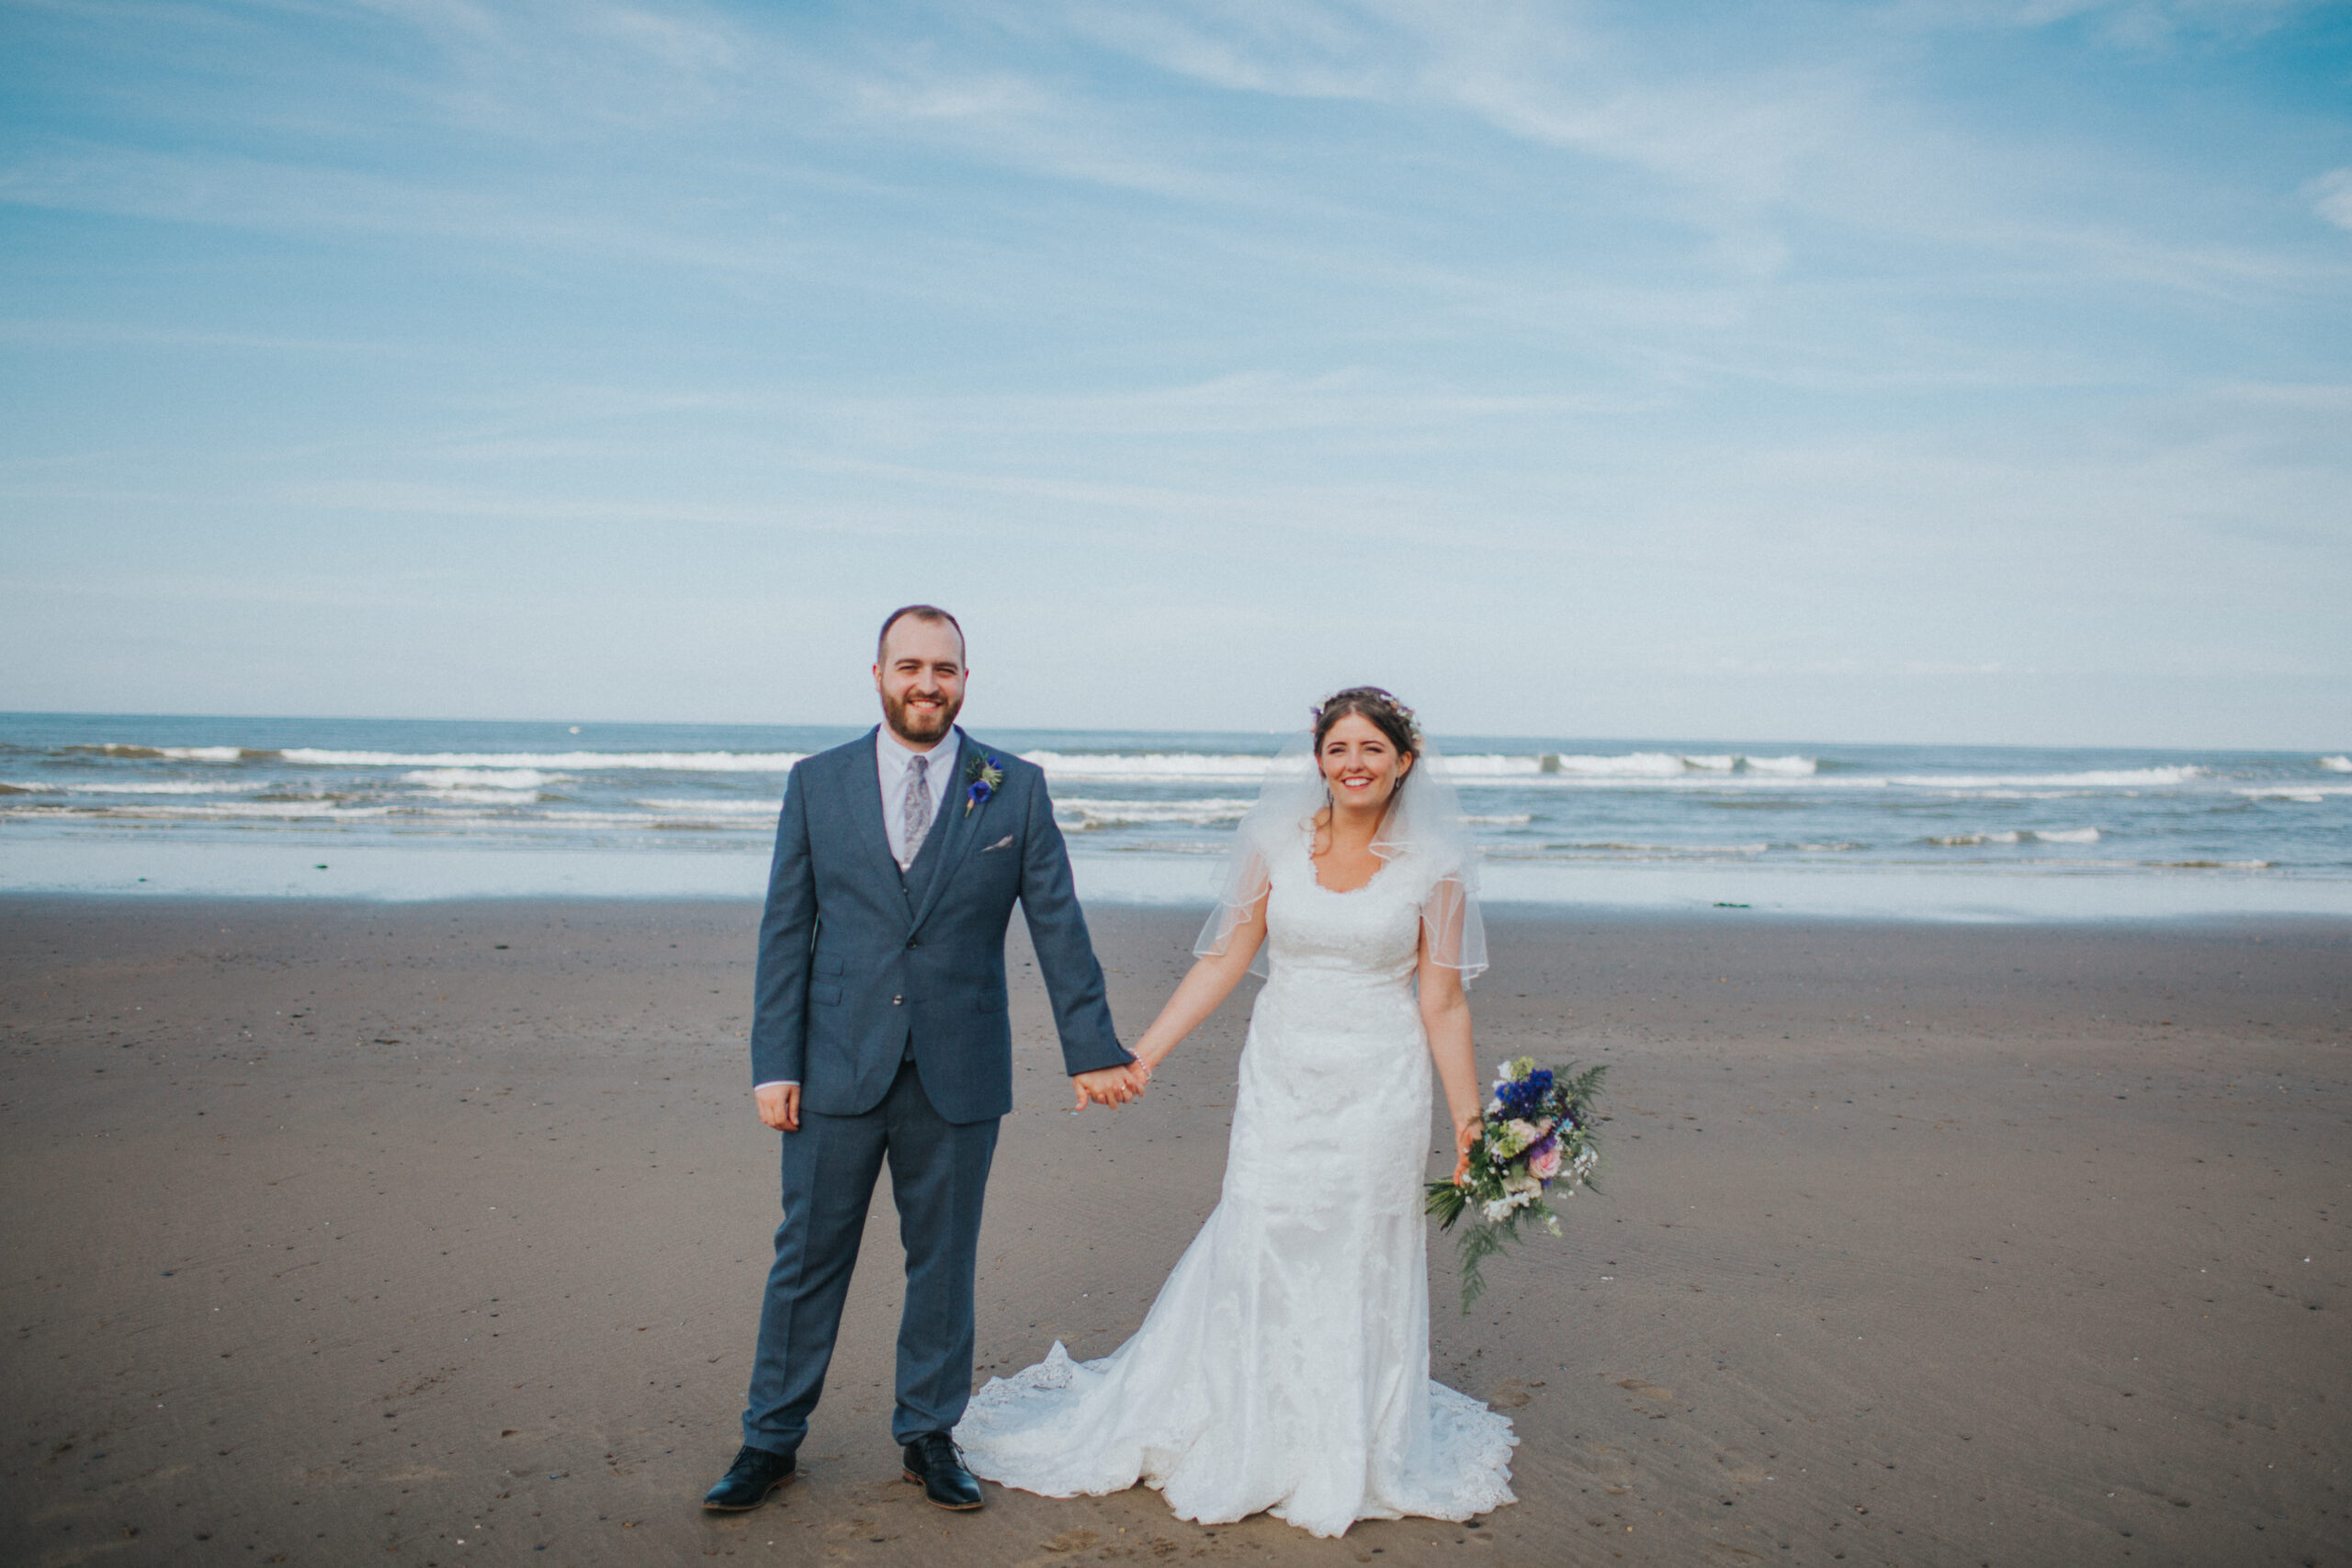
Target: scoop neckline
1307,853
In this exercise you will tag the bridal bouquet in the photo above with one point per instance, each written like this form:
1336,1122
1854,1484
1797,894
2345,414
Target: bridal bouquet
1537,1129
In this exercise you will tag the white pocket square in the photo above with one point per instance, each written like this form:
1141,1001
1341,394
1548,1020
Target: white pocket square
1000,843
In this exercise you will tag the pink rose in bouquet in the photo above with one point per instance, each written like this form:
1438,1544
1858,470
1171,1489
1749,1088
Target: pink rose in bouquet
1544,1163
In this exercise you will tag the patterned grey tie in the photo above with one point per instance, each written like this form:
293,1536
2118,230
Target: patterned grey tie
915,817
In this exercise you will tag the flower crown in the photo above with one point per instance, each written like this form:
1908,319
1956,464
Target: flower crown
1370,697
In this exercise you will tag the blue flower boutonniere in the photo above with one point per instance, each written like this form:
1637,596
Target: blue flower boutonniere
981,781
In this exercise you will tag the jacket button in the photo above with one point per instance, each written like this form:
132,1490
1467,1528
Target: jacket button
914,942
898,1001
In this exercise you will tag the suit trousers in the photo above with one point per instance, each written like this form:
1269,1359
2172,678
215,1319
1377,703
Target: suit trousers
939,1173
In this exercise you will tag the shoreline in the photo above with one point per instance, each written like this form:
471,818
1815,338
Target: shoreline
34,865
348,1227
1534,915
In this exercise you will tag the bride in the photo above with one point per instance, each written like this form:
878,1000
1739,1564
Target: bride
1285,1363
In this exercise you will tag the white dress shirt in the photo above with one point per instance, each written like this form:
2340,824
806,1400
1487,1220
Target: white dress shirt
891,756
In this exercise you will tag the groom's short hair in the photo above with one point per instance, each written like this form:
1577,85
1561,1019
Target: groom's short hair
930,613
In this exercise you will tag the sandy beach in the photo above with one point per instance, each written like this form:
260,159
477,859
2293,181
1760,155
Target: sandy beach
434,1234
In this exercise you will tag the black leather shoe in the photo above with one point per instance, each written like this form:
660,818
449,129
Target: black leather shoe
746,1485
935,1460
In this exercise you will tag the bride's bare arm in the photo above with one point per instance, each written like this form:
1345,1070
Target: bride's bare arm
1445,1013
1210,981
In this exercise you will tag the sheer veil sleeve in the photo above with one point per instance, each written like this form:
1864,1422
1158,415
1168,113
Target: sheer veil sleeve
1453,931
1426,823
1247,882
1287,801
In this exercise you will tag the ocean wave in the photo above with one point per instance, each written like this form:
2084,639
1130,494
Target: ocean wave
2303,793
2336,765
555,761
179,786
2017,835
130,753
214,811
1155,766
1088,815
174,753
1468,768
1612,846
2111,778
760,809
505,779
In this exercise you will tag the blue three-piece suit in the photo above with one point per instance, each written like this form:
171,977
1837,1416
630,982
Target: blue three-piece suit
882,993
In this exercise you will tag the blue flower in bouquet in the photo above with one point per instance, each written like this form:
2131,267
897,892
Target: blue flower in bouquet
1525,1097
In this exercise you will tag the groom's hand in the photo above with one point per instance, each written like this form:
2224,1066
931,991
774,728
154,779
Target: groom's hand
1106,1086
779,1106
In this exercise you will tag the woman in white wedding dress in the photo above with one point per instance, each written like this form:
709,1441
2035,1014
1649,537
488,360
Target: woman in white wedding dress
1285,1366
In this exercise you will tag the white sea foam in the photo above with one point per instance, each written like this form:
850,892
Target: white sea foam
189,753
760,808
1488,767
2017,835
1089,816
1672,765
2336,765
1615,847
554,762
1157,767
177,786
477,780
2112,778
215,811
2309,794
1631,765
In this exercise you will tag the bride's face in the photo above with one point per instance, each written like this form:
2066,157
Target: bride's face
1360,763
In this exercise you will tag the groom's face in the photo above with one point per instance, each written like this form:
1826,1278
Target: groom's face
921,677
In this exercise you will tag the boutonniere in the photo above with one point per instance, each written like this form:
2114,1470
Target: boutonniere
981,781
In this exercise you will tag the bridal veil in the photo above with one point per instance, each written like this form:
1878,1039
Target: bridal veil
1421,837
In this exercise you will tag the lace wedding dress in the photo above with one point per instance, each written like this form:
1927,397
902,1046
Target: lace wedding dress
1285,1366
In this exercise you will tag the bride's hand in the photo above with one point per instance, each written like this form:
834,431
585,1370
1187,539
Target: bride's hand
1465,1132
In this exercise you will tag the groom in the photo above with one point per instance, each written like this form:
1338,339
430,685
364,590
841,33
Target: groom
880,1032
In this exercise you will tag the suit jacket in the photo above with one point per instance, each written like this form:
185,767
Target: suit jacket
862,966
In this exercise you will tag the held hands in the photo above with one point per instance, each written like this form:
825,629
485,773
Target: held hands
1113,1086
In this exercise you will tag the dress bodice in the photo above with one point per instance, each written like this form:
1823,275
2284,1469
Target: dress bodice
1371,934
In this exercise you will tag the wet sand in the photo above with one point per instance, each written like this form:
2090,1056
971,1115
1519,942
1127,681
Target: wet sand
434,1234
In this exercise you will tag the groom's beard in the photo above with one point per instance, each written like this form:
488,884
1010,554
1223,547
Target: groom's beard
920,727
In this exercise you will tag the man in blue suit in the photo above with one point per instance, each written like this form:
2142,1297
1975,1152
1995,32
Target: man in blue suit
880,1032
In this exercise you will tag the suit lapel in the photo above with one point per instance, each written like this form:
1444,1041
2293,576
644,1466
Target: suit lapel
956,834
865,803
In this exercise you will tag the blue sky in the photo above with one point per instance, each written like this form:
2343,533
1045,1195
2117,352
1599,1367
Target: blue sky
1933,370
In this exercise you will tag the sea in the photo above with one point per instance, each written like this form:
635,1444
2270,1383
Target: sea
428,809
